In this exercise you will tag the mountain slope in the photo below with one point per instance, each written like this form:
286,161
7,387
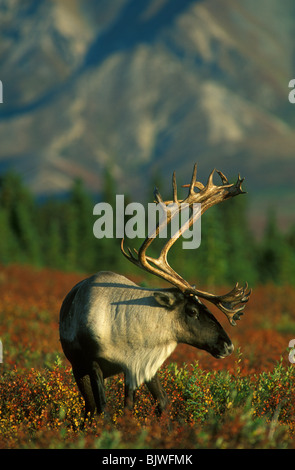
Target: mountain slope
148,87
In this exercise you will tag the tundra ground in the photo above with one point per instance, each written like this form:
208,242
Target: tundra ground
244,401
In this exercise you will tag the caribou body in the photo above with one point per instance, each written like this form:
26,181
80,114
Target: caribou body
109,325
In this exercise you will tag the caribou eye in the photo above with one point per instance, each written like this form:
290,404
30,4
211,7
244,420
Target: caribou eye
192,310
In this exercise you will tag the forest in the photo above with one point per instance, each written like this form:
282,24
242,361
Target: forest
58,233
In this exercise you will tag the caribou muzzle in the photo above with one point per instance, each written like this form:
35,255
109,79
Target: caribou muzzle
227,350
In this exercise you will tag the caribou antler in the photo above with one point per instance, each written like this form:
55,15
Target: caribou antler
207,196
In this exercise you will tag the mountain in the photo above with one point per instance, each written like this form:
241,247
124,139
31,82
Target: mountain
146,87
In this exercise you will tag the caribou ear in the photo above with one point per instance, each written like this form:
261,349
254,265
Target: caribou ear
168,299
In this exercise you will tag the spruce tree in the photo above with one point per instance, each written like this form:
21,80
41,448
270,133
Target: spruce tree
9,248
72,252
81,220
239,241
21,213
276,258
212,262
107,250
54,254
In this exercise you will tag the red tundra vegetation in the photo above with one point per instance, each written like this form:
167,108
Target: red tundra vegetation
244,401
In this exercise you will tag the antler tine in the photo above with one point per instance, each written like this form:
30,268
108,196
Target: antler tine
174,186
191,187
130,257
239,184
210,179
228,303
223,177
158,196
193,181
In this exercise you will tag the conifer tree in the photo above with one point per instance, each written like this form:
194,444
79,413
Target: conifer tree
28,235
9,248
21,213
72,253
276,260
290,240
81,220
54,253
212,264
240,251
107,250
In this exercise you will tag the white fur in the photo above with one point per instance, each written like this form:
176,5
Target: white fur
144,366
127,326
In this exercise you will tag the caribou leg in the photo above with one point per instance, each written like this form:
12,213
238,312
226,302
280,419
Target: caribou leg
97,384
83,381
158,393
129,396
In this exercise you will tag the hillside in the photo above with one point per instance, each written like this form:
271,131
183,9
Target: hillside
147,87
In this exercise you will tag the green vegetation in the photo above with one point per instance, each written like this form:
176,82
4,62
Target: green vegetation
59,234
208,410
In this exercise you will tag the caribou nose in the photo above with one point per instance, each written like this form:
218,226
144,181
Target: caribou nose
228,349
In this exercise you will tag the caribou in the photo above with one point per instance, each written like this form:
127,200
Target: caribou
110,325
